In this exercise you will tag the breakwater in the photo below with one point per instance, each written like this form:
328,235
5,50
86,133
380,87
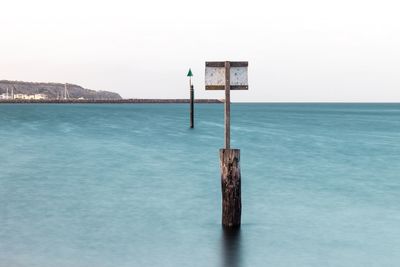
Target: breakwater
111,101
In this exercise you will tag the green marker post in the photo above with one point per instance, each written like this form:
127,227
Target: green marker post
190,74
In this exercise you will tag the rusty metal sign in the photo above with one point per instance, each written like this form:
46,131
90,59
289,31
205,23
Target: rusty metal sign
215,75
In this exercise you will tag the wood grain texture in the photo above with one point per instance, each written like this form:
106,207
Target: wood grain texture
221,64
222,87
231,187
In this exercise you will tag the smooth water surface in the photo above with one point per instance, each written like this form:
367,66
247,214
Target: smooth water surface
132,185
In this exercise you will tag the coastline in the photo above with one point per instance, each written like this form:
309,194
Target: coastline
114,101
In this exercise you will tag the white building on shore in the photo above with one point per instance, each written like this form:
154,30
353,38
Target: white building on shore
28,97
23,96
4,96
40,96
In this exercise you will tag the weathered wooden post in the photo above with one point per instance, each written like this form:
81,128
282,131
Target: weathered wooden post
228,76
190,74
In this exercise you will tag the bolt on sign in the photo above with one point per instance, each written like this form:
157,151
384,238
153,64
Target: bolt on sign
215,75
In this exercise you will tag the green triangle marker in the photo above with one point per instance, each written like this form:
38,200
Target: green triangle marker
190,74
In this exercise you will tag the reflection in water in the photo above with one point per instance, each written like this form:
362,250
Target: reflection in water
231,248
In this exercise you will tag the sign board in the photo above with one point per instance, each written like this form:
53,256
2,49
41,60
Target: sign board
215,75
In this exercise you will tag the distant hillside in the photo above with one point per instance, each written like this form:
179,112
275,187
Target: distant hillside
52,90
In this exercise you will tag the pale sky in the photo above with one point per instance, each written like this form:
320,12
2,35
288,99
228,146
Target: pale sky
343,50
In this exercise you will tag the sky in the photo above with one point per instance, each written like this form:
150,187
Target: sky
298,51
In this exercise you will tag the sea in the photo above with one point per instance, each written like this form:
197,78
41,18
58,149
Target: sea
122,185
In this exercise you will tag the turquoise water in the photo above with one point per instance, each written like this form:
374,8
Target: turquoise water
132,185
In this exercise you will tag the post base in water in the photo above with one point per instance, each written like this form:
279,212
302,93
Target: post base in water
231,187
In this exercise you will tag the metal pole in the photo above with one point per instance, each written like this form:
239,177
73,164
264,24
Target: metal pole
191,106
227,105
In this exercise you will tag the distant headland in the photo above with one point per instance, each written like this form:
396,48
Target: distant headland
57,93
18,90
